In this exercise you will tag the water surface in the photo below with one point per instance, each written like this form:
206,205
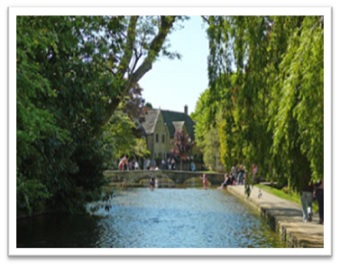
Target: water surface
160,218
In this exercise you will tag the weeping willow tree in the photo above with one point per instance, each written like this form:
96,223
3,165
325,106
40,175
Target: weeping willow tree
297,116
266,94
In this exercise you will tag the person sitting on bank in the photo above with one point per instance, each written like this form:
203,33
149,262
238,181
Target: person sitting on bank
226,182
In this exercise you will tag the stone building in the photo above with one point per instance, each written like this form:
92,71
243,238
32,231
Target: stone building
160,126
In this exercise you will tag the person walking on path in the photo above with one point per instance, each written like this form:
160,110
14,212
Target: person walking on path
318,194
306,197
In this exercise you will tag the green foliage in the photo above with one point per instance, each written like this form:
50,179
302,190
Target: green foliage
119,139
210,150
29,193
266,95
72,75
201,117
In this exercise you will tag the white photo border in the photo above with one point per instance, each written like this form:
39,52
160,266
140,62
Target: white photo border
192,11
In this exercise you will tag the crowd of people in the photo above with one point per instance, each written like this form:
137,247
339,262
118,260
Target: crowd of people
238,176
125,164
170,164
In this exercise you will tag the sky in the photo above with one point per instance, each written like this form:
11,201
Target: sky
172,84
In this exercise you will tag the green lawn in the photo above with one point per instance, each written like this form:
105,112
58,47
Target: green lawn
294,197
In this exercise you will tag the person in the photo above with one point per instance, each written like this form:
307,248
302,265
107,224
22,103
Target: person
163,166
173,164
254,172
131,165
318,194
146,164
226,181
123,163
234,172
152,182
169,164
192,166
306,198
120,165
205,181
136,165
240,176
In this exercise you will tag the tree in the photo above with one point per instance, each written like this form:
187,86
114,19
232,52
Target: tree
211,151
148,105
266,93
145,40
207,136
298,119
201,118
72,74
182,145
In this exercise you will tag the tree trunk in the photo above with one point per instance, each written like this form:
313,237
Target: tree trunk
155,47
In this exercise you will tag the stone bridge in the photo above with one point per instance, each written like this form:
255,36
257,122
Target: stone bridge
177,177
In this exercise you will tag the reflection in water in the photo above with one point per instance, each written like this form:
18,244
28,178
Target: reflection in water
160,218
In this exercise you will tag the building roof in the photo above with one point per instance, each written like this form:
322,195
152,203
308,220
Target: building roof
174,116
178,125
151,118
173,120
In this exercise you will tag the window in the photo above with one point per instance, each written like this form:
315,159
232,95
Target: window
156,138
163,138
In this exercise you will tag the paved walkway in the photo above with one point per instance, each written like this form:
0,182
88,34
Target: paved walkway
284,217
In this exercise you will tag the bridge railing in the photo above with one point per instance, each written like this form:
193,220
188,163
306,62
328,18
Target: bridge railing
178,177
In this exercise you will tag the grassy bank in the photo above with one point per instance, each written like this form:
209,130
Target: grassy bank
281,193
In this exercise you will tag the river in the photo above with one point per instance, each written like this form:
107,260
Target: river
159,218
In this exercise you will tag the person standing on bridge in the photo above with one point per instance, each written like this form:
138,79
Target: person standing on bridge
192,166
123,164
173,164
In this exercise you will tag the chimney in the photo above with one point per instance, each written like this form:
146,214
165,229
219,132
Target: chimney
186,109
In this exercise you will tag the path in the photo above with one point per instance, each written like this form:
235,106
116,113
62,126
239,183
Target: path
284,217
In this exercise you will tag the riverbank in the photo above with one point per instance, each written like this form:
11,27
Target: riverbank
284,217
